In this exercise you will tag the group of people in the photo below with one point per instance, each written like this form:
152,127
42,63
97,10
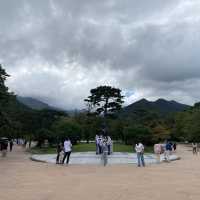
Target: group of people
166,149
4,145
103,148
64,151
103,143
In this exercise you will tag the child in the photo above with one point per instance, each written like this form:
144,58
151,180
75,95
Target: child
59,149
61,156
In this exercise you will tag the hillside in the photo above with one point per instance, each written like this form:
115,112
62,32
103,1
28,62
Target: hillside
33,103
160,107
36,104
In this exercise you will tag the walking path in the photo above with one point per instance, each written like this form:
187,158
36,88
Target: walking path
22,179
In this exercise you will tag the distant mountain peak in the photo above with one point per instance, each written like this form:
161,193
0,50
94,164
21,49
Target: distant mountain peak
143,100
160,106
161,100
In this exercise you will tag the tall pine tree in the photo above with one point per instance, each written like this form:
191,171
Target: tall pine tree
105,101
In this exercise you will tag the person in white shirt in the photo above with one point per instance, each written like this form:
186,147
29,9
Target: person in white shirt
139,148
67,150
194,148
100,142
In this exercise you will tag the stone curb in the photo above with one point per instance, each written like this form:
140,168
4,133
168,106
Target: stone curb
125,160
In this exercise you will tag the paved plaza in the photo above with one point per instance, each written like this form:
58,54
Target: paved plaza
24,179
92,158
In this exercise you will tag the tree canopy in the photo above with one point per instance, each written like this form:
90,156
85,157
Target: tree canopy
4,94
105,100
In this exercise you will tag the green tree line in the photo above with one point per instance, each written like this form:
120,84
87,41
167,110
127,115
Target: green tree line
102,117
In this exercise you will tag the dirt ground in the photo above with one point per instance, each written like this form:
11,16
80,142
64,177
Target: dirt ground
23,179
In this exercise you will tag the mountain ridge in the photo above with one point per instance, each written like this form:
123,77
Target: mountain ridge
161,106
33,103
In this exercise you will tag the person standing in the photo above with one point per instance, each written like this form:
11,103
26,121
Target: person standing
97,147
174,147
100,142
4,147
109,142
59,149
11,145
168,149
194,148
67,150
105,152
157,151
139,148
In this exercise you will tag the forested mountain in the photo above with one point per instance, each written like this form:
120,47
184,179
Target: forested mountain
36,104
160,107
187,124
33,103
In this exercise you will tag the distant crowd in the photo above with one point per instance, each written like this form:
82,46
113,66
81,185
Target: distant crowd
167,148
103,143
104,147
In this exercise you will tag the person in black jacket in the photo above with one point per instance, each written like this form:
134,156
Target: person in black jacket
11,145
59,149
4,146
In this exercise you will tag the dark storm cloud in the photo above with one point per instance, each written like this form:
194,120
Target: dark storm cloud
84,31
147,48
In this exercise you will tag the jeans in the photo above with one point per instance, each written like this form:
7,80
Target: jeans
109,149
67,154
99,149
57,158
194,150
140,158
105,158
166,155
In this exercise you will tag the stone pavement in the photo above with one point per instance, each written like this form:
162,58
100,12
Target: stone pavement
92,158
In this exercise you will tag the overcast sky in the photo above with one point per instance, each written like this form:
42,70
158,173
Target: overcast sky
57,50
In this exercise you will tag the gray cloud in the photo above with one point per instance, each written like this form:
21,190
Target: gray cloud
58,50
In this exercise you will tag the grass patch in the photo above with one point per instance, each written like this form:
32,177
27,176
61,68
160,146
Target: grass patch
83,147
